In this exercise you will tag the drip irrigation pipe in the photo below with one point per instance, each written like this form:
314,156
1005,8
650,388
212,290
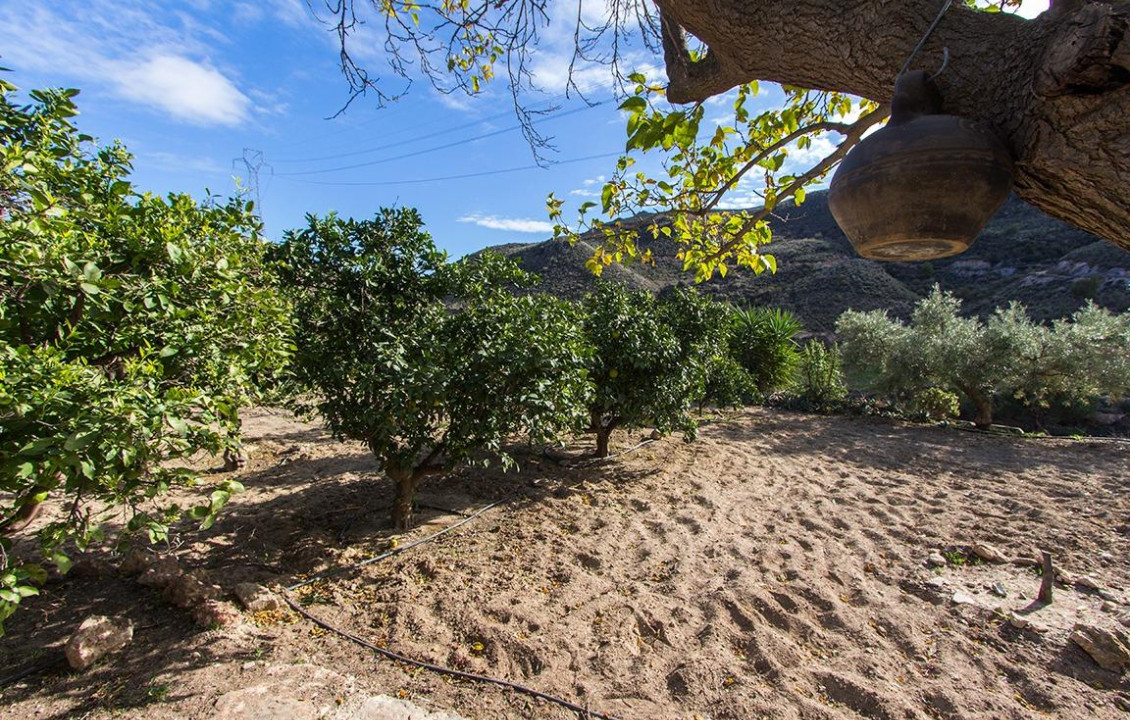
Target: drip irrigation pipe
391,655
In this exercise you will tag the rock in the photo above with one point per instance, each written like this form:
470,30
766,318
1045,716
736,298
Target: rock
235,460
999,590
1109,595
96,637
655,435
960,598
161,573
216,613
936,582
1018,622
1022,561
188,591
1064,578
988,553
135,562
1088,582
1109,607
936,559
380,707
1125,620
257,598
1110,649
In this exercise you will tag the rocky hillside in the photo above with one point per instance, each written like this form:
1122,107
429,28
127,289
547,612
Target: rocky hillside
1022,255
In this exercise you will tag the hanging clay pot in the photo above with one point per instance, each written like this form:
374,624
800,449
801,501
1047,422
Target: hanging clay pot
924,186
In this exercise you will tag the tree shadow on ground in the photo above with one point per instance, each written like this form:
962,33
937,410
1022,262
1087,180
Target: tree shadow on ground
296,519
883,444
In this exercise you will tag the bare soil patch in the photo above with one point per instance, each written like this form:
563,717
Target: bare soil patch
773,569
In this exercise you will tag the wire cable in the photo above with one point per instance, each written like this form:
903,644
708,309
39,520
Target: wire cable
925,36
437,148
484,173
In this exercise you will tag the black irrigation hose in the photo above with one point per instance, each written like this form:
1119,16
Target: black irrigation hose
395,551
583,712
33,670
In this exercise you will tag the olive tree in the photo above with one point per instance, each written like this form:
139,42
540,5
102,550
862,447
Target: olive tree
132,329
430,364
1073,360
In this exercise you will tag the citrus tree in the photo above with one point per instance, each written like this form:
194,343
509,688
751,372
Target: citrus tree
430,364
650,358
132,329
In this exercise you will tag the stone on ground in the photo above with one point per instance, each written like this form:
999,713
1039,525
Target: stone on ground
95,638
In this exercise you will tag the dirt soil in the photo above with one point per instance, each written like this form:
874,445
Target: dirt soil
777,568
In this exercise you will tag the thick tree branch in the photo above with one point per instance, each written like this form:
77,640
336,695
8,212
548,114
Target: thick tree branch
1056,89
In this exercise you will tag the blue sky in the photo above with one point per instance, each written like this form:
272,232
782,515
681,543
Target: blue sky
196,87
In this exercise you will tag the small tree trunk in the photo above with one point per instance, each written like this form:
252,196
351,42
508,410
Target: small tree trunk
602,435
406,482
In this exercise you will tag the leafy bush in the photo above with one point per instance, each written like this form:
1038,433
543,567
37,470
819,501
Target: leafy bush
936,404
429,363
1067,364
132,328
762,341
728,384
818,380
650,358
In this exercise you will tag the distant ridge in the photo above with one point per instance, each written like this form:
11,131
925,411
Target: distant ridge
1022,255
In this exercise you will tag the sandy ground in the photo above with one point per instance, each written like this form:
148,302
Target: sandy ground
774,569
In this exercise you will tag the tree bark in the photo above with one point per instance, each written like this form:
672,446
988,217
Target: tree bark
983,416
406,483
1055,89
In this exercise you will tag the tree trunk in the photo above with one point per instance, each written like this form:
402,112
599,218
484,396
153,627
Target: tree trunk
406,482
983,416
602,436
1055,89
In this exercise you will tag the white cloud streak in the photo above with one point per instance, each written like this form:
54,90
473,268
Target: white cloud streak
494,222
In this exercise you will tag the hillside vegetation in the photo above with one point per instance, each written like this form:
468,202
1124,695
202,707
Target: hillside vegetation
1022,255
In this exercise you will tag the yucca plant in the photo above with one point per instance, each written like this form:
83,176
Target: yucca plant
763,341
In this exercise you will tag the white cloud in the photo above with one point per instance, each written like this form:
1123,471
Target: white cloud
495,222
132,50
188,90
180,162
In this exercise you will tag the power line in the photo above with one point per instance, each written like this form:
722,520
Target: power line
484,173
388,146
440,147
553,101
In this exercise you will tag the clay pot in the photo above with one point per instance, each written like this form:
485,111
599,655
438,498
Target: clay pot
924,186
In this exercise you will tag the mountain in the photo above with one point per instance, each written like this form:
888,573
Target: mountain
1022,255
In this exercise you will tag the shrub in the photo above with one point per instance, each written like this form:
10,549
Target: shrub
429,363
936,404
1068,364
762,341
728,384
818,379
132,328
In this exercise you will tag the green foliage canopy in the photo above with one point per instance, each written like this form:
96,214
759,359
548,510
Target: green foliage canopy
429,363
132,328
650,357
1071,361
